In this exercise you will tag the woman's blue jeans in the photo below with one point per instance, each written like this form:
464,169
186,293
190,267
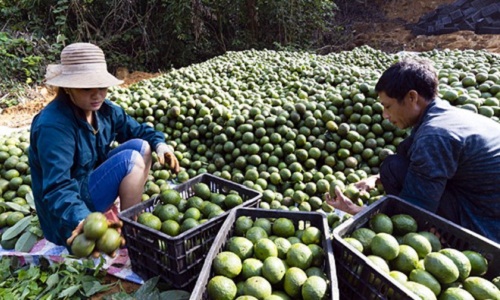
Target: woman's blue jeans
104,182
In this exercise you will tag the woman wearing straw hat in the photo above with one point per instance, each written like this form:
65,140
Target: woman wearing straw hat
74,170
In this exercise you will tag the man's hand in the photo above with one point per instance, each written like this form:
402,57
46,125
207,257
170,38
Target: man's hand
342,202
367,184
166,155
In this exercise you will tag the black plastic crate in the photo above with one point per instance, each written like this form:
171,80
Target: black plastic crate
177,260
359,278
303,218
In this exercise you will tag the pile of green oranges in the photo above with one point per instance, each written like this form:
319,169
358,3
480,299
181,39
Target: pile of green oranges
286,123
16,199
15,178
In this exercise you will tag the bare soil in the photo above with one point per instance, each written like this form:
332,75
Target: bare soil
382,24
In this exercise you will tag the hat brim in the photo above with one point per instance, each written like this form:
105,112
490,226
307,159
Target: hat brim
84,80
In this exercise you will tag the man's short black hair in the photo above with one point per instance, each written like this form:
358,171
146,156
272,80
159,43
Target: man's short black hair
406,75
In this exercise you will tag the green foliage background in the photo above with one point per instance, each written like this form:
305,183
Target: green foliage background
152,35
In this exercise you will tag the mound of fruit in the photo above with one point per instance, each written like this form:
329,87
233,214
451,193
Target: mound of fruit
270,259
418,260
284,123
19,225
15,174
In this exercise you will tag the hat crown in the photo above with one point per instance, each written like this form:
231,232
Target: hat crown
82,53
83,65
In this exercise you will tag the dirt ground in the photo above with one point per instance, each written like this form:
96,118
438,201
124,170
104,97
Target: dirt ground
381,25
390,34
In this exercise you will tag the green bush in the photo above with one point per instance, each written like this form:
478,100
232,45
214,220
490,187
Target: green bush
23,59
152,35
158,34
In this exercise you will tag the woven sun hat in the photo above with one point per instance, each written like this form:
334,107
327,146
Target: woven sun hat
82,66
